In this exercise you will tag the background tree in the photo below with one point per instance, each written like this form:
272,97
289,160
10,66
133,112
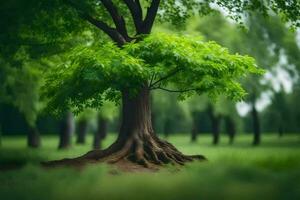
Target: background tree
171,115
83,125
225,111
20,87
195,106
107,112
267,40
66,131
0,135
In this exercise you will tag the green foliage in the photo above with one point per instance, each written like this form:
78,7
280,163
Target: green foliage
51,23
99,72
209,67
20,87
92,75
177,11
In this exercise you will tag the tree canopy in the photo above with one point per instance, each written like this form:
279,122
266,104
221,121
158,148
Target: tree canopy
99,73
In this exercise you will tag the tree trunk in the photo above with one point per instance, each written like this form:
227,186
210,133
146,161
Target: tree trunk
280,128
256,126
230,129
167,127
0,135
216,129
33,138
66,131
194,131
280,131
153,115
136,142
101,133
82,130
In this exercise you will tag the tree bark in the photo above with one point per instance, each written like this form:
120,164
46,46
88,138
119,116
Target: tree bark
82,130
256,126
136,142
101,133
230,129
33,137
66,131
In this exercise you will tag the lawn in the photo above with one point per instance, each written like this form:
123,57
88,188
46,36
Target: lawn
240,171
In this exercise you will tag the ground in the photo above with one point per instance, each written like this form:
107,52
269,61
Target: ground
270,171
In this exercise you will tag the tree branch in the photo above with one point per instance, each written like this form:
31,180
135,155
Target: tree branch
118,20
150,16
136,11
166,77
177,91
151,80
111,32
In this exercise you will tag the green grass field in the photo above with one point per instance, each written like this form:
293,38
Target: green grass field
240,171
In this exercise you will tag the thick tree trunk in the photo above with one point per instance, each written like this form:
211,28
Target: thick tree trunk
256,126
230,129
33,138
101,133
66,131
82,130
136,143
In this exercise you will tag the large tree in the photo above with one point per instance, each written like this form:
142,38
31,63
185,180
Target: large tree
135,63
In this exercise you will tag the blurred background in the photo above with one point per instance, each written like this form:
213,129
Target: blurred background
271,106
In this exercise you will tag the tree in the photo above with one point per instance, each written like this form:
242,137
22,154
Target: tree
0,135
66,131
20,87
223,110
171,115
81,129
279,115
130,67
83,121
106,113
294,110
195,105
230,128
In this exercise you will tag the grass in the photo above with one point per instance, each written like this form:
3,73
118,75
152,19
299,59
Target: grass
270,171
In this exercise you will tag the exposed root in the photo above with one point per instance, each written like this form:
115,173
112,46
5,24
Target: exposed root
148,153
